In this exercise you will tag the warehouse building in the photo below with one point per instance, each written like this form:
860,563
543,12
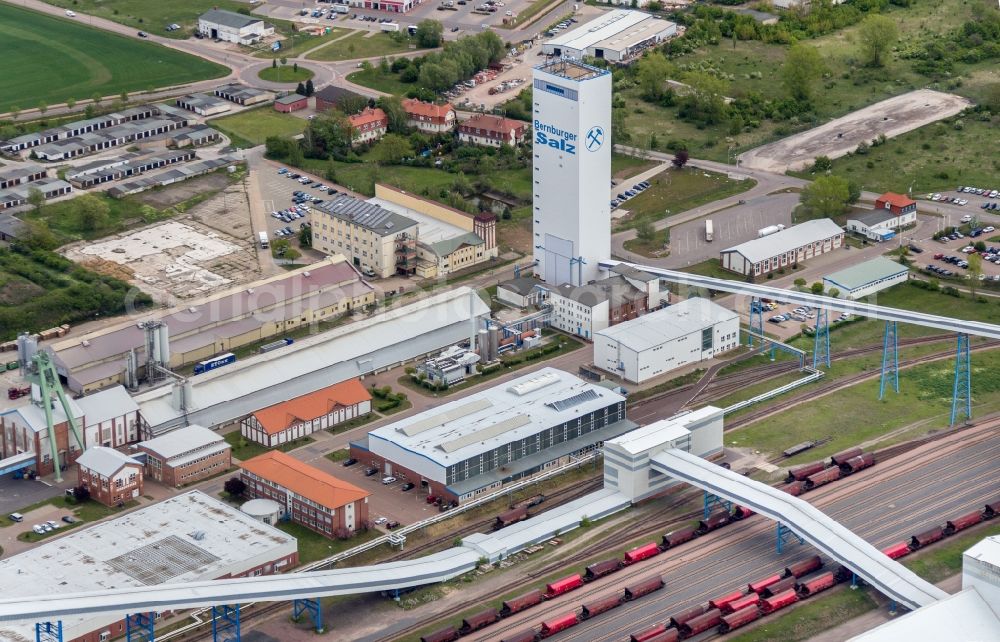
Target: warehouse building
786,248
203,104
112,169
317,500
111,477
290,103
193,136
584,310
175,174
78,128
522,292
186,538
230,26
378,241
304,415
18,194
981,569
617,35
18,174
867,278
461,449
243,94
186,455
656,343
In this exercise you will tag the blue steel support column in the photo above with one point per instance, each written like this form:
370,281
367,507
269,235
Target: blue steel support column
756,320
821,348
783,533
139,627
890,359
715,499
313,608
961,399
48,631
226,623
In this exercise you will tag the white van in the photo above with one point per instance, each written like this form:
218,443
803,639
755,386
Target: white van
16,517
70,13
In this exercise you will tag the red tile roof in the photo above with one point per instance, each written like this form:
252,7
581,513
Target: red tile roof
281,416
896,200
304,480
496,125
368,116
415,107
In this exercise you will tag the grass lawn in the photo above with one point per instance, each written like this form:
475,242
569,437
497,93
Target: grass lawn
676,191
624,166
711,268
244,449
313,546
122,213
299,42
255,125
357,45
53,59
89,511
375,79
652,249
803,621
152,17
285,73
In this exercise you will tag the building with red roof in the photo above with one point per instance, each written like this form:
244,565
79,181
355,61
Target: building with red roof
492,131
428,117
309,497
892,212
369,125
301,416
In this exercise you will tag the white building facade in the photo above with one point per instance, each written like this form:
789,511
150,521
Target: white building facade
651,345
572,171
782,249
233,27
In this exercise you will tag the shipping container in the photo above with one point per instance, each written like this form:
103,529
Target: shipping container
799,473
794,489
823,477
991,510
678,537
715,521
670,635
601,569
648,634
844,455
700,624
680,618
641,553
478,621
780,587
511,517
854,464
590,609
897,550
739,618
815,585
447,634
722,600
779,601
741,512
963,522
527,635
643,587
521,602
565,585
804,567
750,599
556,624
927,537
758,586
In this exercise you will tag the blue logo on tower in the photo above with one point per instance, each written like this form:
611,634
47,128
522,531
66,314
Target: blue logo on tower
595,138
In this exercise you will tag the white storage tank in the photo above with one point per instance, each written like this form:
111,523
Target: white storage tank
267,511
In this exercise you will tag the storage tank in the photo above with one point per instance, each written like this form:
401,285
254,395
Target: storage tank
266,511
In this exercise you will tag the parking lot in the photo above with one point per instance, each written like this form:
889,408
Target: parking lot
791,317
389,501
949,257
985,198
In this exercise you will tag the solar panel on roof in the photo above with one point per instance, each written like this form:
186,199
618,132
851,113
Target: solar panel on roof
575,400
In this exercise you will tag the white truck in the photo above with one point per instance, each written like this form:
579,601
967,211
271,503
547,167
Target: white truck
340,8
263,240
390,26
770,229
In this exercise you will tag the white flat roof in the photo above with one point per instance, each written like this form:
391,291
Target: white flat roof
185,538
611,26
986,550
660,432
429,229
787,239
963,617
678,320
183,440
106,404
485,420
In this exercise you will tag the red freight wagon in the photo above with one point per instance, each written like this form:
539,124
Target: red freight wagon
740,618
648,634
760,585
741,512
897,550
842,574
556,624
448,634
478,621
521,602
804,567
794,489
522,636
820,478
927,537
601,569
799,473
779,601
670,635
678,537
564,585
844,455
689,614
963,522
750,599
702,623
720,602
510,517
643,587
715,521
854,464
780,587
991,510
641,553
590,609
815,585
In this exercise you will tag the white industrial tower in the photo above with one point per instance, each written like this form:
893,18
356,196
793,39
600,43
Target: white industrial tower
572,175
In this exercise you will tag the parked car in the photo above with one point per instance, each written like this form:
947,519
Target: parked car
391,525
407,486
51,524
16,517
69,519
350,461
38,529
283,170
381,520
388,480
371,470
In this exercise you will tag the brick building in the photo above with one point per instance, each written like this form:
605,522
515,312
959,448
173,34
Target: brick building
111,477
492,131
331,97
314,499
428,117
290,103
301,416
186,455
368,126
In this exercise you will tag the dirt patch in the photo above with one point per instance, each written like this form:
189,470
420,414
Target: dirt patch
109,268
516,235
185,190
890,117
16,291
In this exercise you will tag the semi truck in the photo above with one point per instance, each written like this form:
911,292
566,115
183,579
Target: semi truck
708,230
263,240
770,229
390,26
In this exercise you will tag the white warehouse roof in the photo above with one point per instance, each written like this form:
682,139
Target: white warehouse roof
640,440
963,617
525,406
621,28
787,240
183,440
675,321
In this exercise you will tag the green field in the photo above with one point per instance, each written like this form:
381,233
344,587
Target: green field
674,191
296,44
150,16
52,59
286,73
375,79
357,45
253,127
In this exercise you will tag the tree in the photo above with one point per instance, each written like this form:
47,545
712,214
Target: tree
306,236
92,213
833,293
70,102
39,236
802,68
680,158
284,61
36,199
96,98
393,108
310,89
817,287
235,487
429,33
645,230
43,106
826,196
301,90
15,111
877,34
800,282
974,272
707,101
123,96
295,67
274,63
854,192
992,97
328,134
653,71
392,149
352,104
81,493
822,164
